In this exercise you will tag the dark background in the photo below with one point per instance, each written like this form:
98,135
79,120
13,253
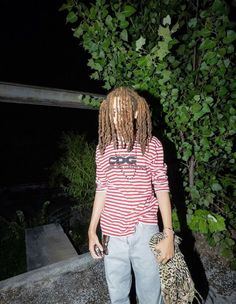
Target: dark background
38,48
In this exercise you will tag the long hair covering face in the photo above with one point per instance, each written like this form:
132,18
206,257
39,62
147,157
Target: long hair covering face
125,103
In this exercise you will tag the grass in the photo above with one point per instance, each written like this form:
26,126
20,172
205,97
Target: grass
12,253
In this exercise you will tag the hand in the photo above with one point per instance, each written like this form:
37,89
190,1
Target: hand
166,249
95,246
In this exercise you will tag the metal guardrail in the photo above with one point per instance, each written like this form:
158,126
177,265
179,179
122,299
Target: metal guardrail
36,95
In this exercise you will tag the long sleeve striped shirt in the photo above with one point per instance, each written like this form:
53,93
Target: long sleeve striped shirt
130,180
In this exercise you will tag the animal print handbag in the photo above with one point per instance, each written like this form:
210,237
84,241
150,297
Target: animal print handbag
177,286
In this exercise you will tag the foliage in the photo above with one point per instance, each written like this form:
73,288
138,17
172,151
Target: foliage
91,101
79,235
74,171
205,221
182,53
12,241
12,238
42,217
12,244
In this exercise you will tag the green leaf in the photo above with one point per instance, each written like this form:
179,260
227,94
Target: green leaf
222,51
195,193
108,22
204,66
95,75
95,65
207,44
106,43
189,67
174,92
163,50
142,61
124,35
67,6
230,49
203,227
211,58
112,80
166,75
216,223
204,33
223,91
218,7
71,17
226,252
104,12
186,154
120,16
192,22
124,24
206,156
139,43
205,109
107,85
216,187
197,97
230,37
167,20
174,28
129,10
209,100
198,114
227,62
78,32
209,88
196,107
164,31
93,13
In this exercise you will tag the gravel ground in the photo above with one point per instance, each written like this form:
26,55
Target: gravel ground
221,280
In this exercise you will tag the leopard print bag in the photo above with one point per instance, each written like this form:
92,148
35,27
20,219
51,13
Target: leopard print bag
177,286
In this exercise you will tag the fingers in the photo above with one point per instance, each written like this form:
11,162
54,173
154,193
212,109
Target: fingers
164,257
96,252
164,261
95,249
165,251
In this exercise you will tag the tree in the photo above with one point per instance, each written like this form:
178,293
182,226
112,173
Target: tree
181,53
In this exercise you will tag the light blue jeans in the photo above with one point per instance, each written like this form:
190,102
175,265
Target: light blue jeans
133,251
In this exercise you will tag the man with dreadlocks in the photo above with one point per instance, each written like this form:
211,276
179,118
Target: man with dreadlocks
132,185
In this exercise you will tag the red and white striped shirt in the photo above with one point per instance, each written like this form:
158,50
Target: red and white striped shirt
129,179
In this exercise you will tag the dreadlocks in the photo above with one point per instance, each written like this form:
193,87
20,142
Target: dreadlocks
125,102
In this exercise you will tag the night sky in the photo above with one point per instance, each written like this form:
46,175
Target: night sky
38,48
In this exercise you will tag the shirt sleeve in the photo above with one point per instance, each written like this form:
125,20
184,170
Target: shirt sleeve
101,180
159,169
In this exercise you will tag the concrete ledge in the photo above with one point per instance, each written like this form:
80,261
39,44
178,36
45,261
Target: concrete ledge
78,280
47,244
79,263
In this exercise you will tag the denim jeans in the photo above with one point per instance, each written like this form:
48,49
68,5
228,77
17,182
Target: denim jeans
133,251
